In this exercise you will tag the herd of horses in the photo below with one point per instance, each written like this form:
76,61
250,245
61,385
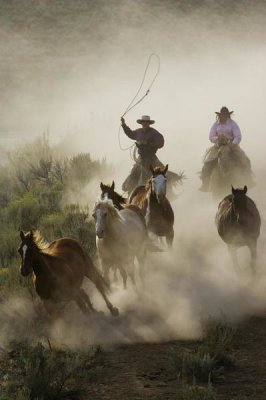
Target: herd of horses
126,230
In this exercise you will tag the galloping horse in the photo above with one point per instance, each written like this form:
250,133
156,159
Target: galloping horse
152,200
58,272
238,223
121,236
109,191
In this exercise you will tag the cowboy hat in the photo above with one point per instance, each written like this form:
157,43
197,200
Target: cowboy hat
224,111
145,118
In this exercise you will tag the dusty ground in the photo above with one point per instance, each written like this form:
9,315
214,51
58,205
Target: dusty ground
145,371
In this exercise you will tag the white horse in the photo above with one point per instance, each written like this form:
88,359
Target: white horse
121,236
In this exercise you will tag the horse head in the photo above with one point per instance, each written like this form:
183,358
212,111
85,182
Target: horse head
158,182
103,211
239,201
27,251
109,192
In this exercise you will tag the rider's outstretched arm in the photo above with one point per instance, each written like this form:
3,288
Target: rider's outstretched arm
131,134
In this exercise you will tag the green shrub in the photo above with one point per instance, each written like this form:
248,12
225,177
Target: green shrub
33,183
25,212
73,221
11,282
8,248
196,366
199,393
218,340
35,373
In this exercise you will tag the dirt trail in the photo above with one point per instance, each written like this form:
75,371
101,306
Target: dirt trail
145,371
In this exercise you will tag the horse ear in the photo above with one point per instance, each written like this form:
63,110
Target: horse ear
165,169
245,189
31,234
113,185
22,236
152,170
233,189
101,186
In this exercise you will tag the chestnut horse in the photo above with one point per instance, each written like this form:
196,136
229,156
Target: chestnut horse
152,200
238,223
58,271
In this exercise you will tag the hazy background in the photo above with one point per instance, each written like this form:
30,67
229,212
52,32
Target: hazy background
70,68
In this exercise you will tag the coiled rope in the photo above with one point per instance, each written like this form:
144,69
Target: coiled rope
131,105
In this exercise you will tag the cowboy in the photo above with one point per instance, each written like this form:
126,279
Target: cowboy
224,128
148,141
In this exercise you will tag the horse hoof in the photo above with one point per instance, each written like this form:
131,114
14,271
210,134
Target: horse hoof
114,312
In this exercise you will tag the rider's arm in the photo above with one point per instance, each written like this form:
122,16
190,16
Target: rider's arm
131,134
236,133
213,136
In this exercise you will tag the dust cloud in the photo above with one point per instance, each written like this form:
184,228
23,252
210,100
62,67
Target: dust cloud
72,67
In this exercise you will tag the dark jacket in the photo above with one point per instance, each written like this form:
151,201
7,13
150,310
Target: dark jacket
145,137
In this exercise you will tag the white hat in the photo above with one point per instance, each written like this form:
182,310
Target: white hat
145,118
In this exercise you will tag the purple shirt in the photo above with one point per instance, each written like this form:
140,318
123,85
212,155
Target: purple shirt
230,129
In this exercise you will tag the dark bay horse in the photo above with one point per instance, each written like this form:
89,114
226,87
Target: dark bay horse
238,223
109,192
152,200
58,271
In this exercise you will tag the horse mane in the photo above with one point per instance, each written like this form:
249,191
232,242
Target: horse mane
110,206
119,197
41,244
224,209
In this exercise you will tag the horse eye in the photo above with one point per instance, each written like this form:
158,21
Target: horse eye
105,214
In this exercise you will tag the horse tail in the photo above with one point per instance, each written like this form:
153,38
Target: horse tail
92,273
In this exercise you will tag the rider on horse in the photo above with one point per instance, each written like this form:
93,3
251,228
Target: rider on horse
224,130
148,141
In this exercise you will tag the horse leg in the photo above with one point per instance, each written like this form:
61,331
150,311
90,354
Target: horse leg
131,271
106,268
100,284
115,274
79,299
86,299
124,276
233,254
51,309
253,252
142,264
170,239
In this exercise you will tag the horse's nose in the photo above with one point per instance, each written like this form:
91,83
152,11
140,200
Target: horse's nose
160,197
99,233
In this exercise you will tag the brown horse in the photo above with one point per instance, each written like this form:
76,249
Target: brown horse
152,200
238,223
109,192
58,272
